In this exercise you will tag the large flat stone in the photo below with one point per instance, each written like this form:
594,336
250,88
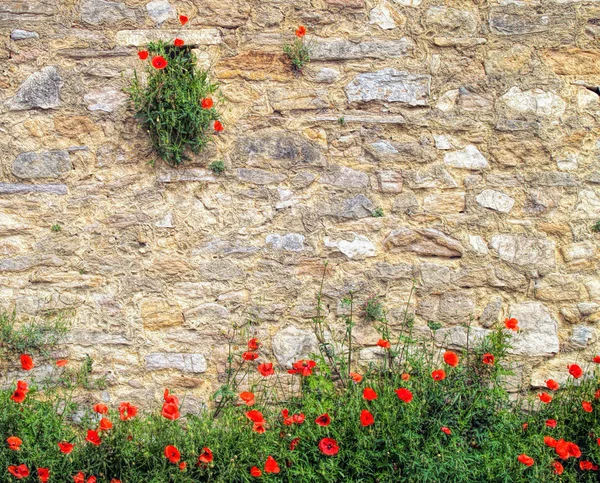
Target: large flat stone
427,242
536,255
345,178
539,331
282,99
359,248
159,314
19,188
517,22
192,363
537,103
390,85
103,12
451,20
292,344
106,99
40,90
468,158
495,200
47,164
573,61
342,49
259,176
139,38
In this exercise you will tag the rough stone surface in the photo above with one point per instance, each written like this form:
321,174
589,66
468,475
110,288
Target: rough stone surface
40,90
468,158
292,344
426,242
292,242
192,363
534,254
495,200
390,85
18,34
340,49
160,11
360,247
47,164
539,330
103,12
107,100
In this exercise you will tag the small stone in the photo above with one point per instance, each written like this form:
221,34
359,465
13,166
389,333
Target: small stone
568,162
342,49
478,244
221,271
47,164
355,208
405,203
495,200
102,12
345,177
581,336
388,271
578,252
434,275
106,99
539,331
326,75
390,85
445,203
451,20
588,308
40,90
570,315
588,206
192,363
491,312
291,242
158,314
23,35
259,176
204,316
518,104
424,242
17,188
166,221
442,142
389,181
282,99
292,344
533,254
160,11
359,248
430,177
468,158
557,287
460,337
382,17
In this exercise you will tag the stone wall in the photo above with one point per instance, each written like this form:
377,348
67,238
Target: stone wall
458,119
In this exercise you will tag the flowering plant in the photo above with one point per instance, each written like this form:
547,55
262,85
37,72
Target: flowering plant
299,50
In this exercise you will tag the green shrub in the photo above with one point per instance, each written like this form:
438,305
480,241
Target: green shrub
299,50
596,227
217,167
169,103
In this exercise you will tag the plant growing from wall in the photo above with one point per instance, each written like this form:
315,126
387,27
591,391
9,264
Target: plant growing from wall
299,50
173,102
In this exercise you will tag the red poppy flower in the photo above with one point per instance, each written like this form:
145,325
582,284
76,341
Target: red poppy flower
574,450
558,468
552,385
207,103
526,460
545,397
369,394
259,427
525,426
182,465
565,449
20,394
253,344
105,424
329,446
287,419
271,465
62,362
14,443
249,356
43,474
550,441
183,19
587,407
384,343
587,465
127,411
357,378
254,471
293,443
299,418
551,423
488,359
26,362
575,371
205,457
597,394
170,398
512,324
405,376
248,398
596,359
266,369
446,430
323,420
101,408
438,375
91,479
178,43
301,31
404,395
255,416
217,126
92,437
172,454
302,367
159,62
451,358
170,411
366,418
79,478
65,447
143,54
114,480
19,472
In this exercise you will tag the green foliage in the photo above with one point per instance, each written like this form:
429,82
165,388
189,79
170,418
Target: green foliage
298,52
342,121
217,167
596,227
169,103
373,309
378,213
56,228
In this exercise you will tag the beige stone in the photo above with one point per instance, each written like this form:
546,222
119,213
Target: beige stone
159,314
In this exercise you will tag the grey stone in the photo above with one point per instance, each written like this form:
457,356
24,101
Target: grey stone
23,263
357,207
292,344
389,181
141,38
468,158
192,363
345,177
430,177
451,20
456,307
495,200
221,270
359,248
259,176
405,203
515,23
535,103
326,75
434,275
478,244
17,188
169,175
106,99
581,336
384,147
278,146
23,35
460,337
47,164
552,178
491,312
427,242
102,12
40,90
291,242
381,16
539,331
341,49
390,85
588,308
388,271
536,255
160,11
284,99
